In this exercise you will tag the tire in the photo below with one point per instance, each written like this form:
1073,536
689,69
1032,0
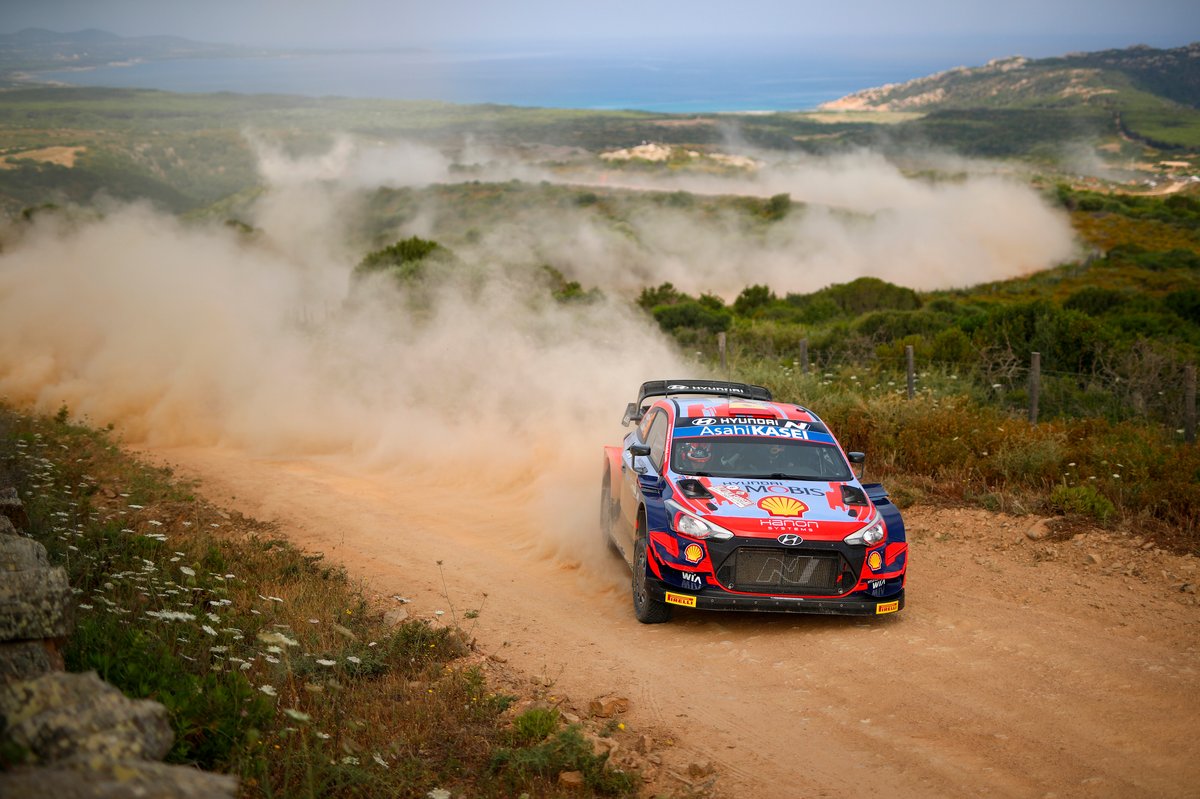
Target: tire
647,609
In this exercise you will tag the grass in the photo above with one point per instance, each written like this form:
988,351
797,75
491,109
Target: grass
273,665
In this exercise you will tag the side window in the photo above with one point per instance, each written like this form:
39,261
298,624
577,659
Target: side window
657,438
644,427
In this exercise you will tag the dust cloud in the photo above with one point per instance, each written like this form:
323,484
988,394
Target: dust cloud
861,216
187,334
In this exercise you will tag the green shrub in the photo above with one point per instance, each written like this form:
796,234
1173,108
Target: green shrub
1082,499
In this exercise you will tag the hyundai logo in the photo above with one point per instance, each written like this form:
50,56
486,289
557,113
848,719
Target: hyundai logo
790,539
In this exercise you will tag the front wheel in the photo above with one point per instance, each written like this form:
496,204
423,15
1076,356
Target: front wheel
646,608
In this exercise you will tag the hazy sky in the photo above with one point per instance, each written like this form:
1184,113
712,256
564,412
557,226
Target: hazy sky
969,27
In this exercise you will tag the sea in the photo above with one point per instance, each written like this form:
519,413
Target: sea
668,82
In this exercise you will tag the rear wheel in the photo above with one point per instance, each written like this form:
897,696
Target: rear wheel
646,608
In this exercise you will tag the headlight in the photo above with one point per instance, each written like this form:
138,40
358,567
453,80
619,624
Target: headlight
684,522
870,535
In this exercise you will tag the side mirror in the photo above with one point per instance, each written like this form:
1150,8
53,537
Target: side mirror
857,459
636,450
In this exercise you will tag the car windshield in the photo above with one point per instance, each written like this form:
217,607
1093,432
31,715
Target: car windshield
731,456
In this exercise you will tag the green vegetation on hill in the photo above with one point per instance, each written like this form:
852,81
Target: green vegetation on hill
1152,95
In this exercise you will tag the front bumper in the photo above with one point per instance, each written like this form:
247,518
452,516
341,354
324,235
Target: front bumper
857,604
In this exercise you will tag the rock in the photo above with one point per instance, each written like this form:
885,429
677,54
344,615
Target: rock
1188,588
89,779
606,707
644,745
395,617
60,716
18,554
1038,530
6,527
34,603
571,779
702,768
28,660
12,508
1092,559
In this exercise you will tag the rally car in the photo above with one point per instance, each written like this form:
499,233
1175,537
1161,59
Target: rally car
722,499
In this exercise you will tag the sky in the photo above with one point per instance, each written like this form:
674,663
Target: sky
970,27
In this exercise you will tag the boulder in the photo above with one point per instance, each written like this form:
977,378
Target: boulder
60,716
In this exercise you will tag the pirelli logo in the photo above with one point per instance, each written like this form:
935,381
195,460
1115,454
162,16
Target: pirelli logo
681,599
887,607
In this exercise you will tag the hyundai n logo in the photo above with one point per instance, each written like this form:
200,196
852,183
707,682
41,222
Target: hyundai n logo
789,539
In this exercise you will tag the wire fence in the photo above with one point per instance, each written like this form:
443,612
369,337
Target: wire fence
1140,385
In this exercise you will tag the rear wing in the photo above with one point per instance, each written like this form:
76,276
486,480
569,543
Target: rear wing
720,388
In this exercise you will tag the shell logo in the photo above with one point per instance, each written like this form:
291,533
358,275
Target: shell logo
875,561
693,553
782,506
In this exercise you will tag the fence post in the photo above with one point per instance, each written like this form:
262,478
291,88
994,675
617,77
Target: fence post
803,356
721,348
912,377
1189,403
1035,385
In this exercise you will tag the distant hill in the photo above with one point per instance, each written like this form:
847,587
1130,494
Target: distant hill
1152,95
1018,82
36,49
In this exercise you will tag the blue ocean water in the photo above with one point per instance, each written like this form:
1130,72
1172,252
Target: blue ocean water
669,82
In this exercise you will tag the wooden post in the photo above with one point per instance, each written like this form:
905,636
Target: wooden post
912,377
1035,385
1189,403
721,348
803,356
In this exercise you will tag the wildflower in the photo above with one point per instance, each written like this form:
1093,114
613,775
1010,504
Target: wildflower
438,793
296,714
375,756
270,659
324,662
277,638
208,629
314,621
187,570
269,690
324,736
349,761
220,650
354,660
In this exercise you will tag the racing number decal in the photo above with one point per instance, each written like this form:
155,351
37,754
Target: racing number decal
887,607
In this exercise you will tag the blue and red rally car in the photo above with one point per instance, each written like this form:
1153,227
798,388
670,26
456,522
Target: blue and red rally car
722,499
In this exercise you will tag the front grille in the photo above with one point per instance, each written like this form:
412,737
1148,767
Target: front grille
781,571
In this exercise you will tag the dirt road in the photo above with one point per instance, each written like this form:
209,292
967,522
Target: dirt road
1020,668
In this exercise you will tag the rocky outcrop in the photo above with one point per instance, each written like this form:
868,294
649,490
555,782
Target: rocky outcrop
82,737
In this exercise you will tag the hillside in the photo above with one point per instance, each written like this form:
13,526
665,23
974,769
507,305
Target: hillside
34,49
1152,94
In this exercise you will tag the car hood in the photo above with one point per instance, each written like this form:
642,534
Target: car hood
759,508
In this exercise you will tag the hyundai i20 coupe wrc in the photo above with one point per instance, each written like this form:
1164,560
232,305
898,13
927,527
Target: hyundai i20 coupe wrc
722,499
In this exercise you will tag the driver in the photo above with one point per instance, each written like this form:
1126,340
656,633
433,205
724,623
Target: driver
696,455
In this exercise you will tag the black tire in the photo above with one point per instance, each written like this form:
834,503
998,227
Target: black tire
646,608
